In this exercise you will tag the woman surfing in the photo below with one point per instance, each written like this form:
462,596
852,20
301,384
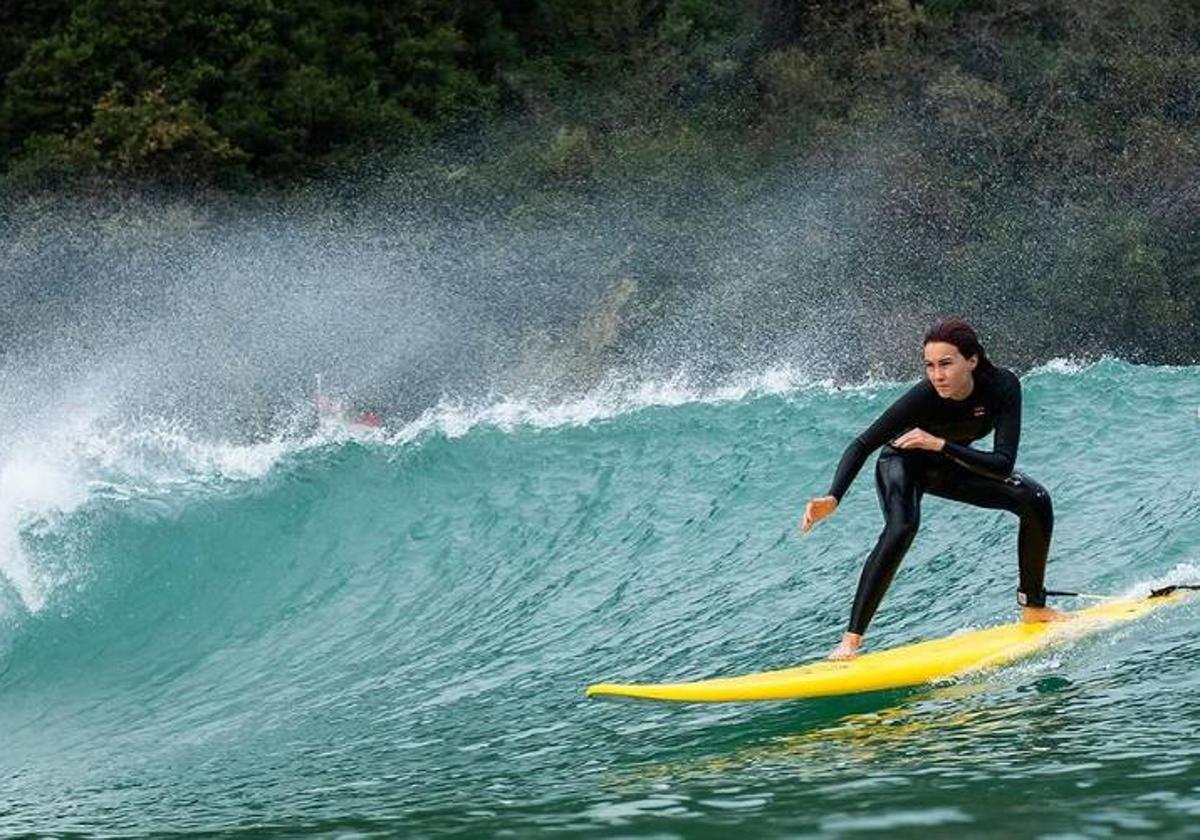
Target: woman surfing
926,436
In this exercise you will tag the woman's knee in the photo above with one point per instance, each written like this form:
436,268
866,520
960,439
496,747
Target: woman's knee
897,481
1033,500
901,527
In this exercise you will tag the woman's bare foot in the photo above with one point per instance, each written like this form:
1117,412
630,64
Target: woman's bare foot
1034,615
847,648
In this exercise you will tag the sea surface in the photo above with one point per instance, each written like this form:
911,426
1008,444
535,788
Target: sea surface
352,632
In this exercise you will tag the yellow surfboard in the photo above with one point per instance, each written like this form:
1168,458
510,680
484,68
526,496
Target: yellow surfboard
898,667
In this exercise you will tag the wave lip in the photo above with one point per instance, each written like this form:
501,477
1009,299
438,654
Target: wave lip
48,476
34,489
454,418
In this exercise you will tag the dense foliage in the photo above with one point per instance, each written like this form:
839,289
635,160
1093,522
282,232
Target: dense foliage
1001,118
198,90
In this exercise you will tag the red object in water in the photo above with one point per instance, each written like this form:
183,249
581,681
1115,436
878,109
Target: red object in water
327,407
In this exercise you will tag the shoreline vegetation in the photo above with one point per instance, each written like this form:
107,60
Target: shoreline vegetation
1045,153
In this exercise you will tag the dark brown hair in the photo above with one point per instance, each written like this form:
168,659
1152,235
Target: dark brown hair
962,335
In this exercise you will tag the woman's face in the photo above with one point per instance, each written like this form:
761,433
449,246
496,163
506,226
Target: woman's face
948,371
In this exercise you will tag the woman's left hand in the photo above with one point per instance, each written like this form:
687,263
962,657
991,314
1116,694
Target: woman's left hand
919,439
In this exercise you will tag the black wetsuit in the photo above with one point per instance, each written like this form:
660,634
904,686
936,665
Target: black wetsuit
958,472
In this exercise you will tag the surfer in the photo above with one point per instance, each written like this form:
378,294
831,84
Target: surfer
337,412
925,435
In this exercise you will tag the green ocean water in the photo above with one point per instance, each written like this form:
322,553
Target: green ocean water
389,633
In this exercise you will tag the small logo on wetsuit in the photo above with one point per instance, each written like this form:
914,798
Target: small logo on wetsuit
979,411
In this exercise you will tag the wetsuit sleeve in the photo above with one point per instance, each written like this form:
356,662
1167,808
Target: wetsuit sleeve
1000,461
899,417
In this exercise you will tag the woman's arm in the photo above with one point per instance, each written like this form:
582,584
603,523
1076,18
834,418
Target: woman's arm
1000,461
900,416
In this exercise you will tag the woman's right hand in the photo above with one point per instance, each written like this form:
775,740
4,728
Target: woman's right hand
816,510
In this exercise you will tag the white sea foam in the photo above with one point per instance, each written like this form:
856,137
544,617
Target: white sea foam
454,418
34,484
47,475
165,453
1067,365
1183,573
